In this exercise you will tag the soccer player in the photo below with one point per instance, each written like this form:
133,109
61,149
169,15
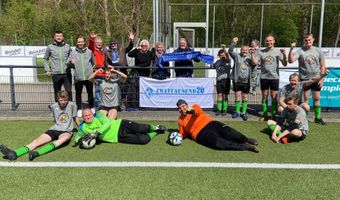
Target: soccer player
269,59
194,123
109,90
61,132
296,88
311,63
255,79
292,125
222,66
55,58
114,131
241,75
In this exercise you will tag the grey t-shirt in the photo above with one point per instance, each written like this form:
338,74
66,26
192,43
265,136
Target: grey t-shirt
287,91
222,69
297,115
309,61
110,92
270,59
63,117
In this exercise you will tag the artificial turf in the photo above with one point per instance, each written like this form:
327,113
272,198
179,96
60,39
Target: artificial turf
320,147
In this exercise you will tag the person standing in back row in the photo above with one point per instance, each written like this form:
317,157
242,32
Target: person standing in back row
241,76
82,60
269,59
222,66
311,63
99,52
183,47
58,52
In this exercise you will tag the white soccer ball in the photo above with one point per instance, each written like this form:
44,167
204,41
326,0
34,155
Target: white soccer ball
88,144
175,139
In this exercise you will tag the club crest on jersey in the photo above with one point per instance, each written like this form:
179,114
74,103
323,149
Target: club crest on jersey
310,60
269,60
107,90
63,118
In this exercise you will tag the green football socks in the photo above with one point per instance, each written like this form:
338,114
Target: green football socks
219,105
47,148
225,105
274,109
22,150
237,106
317,111
264,107
244,106
272,127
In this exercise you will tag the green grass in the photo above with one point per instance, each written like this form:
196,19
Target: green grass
41,71
320,147
199,73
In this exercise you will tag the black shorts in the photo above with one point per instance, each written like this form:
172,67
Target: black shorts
243,87
314,87
273,84
55,134
108,108
223,86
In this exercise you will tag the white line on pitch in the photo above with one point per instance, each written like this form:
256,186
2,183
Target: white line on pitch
172,164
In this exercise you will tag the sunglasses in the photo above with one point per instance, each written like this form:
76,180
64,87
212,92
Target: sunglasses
143,45
113,43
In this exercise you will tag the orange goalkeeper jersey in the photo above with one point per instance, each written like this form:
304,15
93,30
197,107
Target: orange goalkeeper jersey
193,124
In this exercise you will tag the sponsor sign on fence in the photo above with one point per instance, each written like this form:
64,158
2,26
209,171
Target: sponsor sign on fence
165,93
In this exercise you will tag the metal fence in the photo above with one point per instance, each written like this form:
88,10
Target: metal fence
36,95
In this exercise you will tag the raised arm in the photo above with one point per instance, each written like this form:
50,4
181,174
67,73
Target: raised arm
131,42
231,51
291,57
284,57
93,75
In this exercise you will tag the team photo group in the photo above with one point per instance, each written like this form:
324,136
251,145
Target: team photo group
106,76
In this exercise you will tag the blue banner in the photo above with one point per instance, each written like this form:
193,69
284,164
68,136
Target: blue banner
330,92
188,55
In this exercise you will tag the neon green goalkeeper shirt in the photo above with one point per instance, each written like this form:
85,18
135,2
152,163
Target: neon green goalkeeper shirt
108,129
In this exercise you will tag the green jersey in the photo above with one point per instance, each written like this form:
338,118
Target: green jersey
107,129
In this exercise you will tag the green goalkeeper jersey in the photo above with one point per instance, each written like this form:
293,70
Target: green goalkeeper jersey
108,129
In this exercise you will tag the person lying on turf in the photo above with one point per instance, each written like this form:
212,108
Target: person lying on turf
194,123
61,132
101,127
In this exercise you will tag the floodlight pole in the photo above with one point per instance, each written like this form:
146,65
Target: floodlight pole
213,33
207,27
261,29
321,22
311,19
155,13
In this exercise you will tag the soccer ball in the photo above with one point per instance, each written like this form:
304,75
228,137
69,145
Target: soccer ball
88,144
175,139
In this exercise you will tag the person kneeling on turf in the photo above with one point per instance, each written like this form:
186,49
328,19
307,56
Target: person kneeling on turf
114,131
292,121
194,123
61,132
